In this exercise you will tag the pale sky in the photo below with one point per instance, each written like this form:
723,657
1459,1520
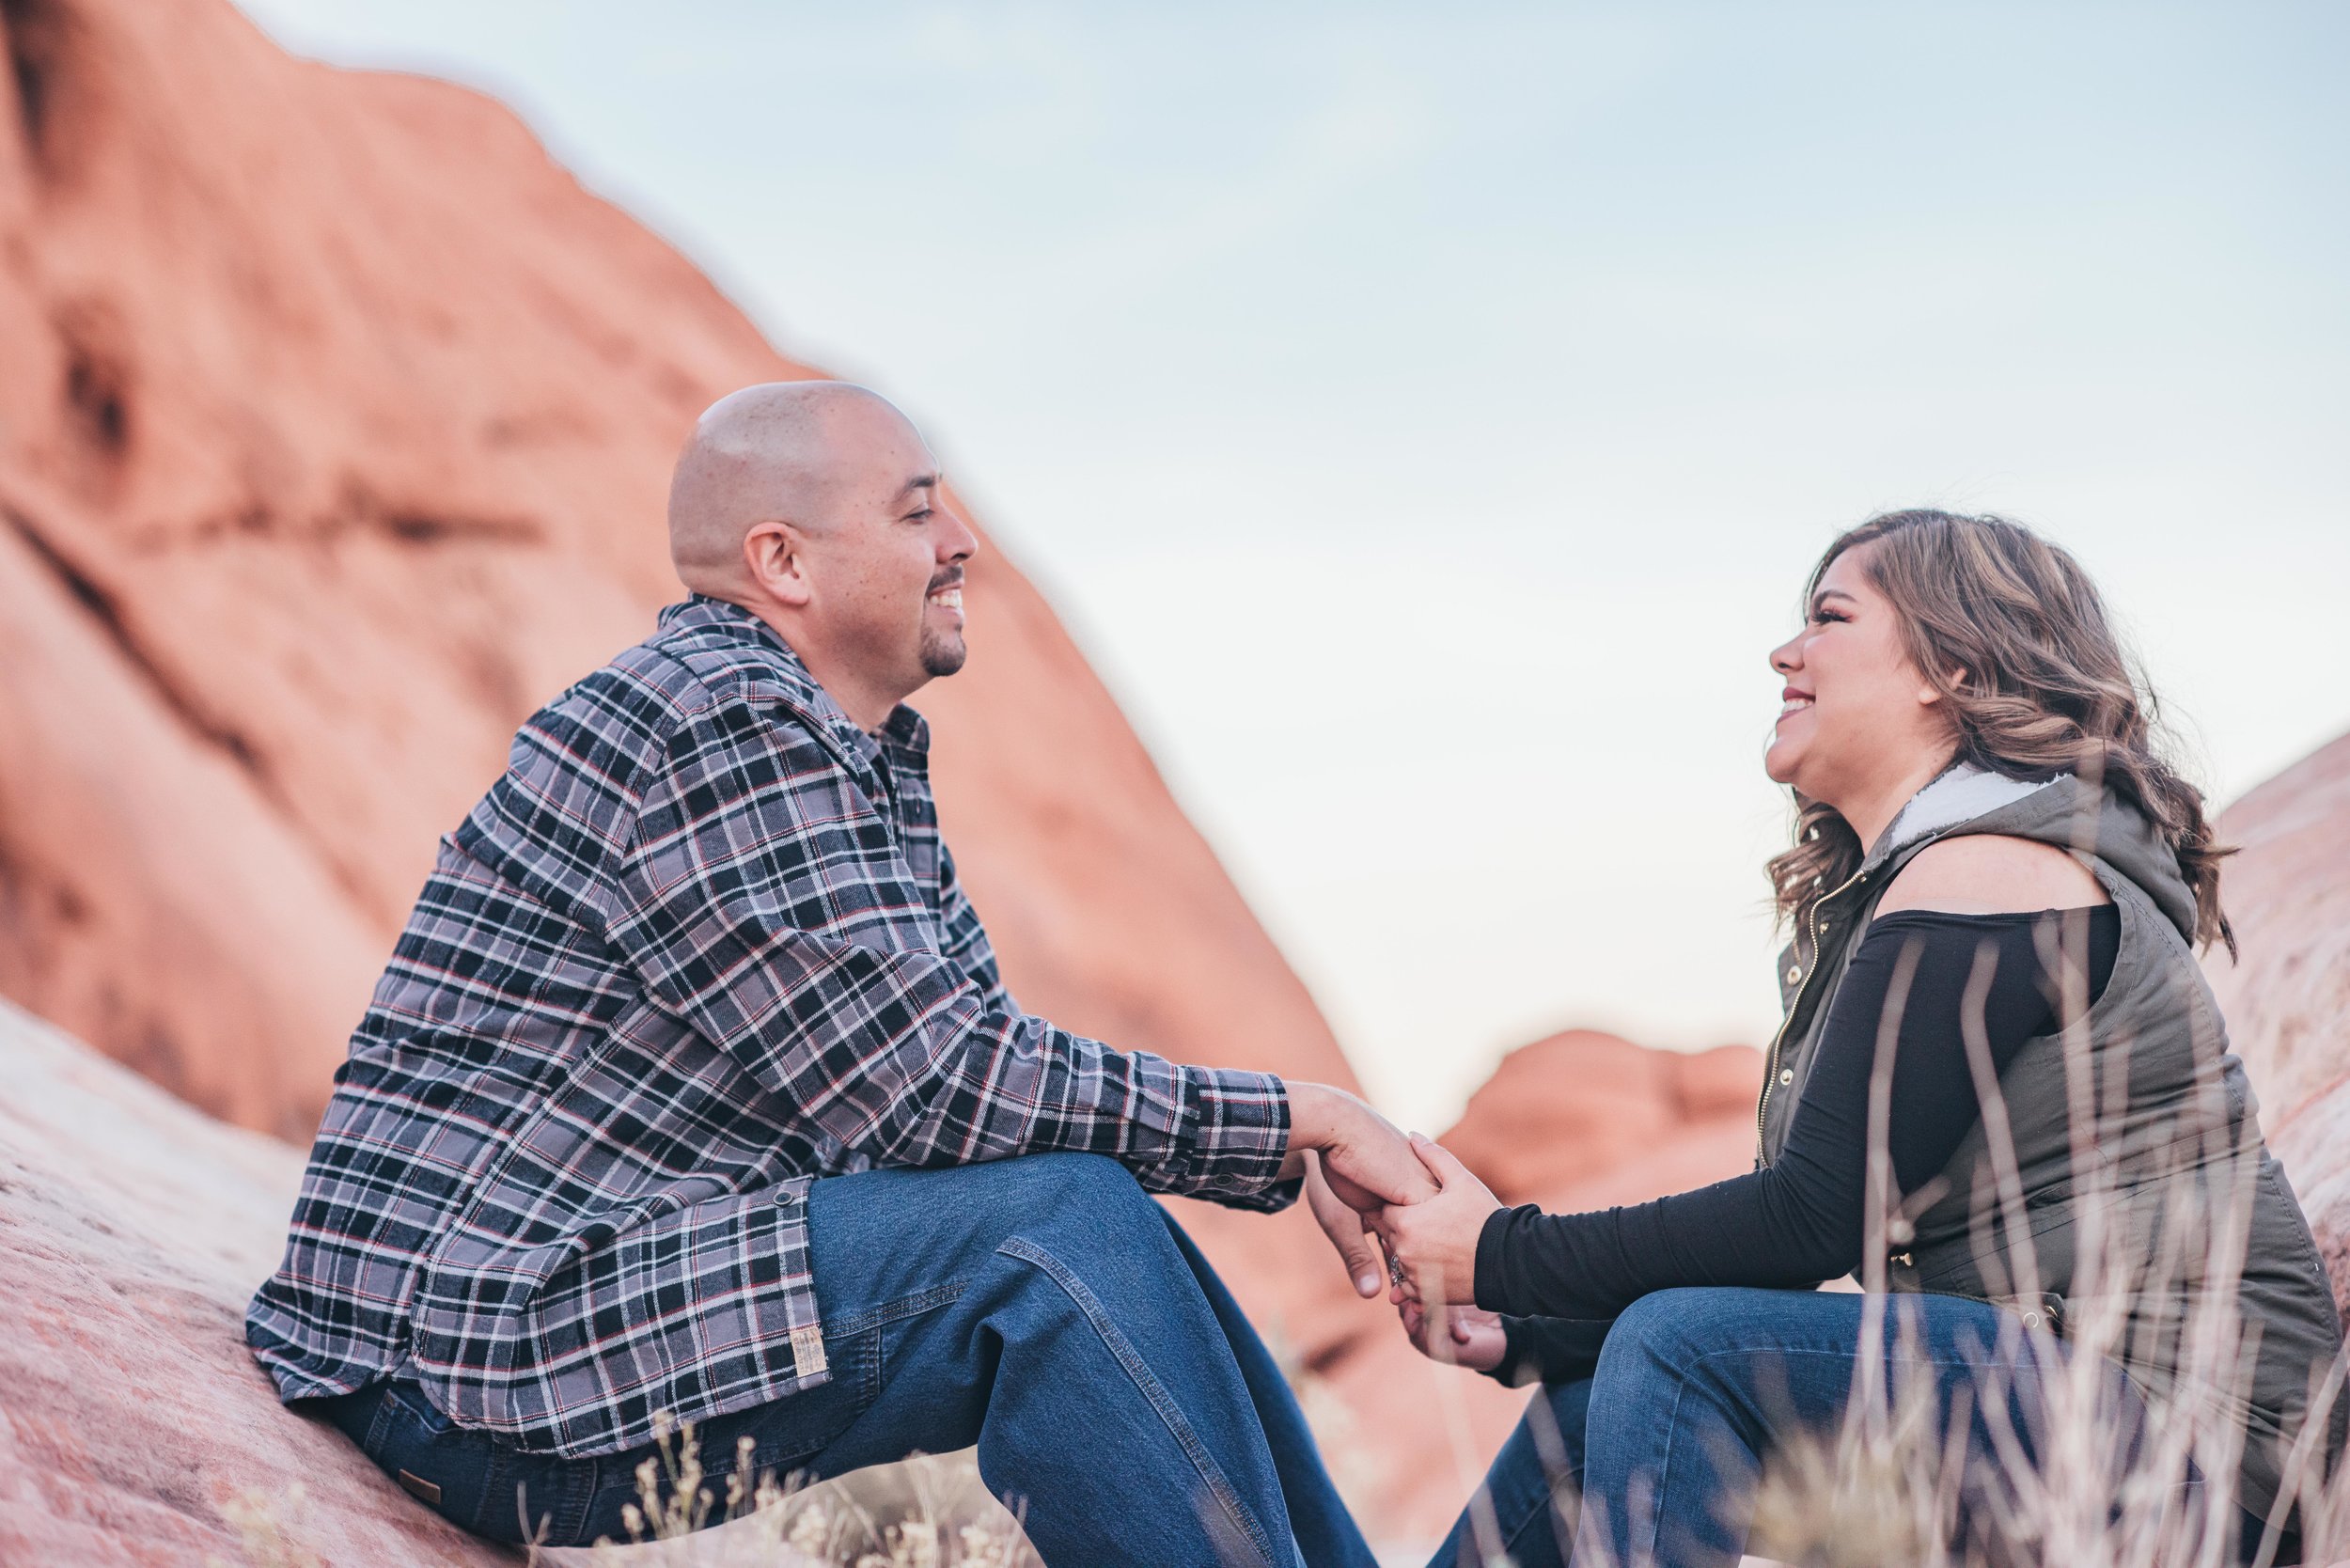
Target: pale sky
1424,418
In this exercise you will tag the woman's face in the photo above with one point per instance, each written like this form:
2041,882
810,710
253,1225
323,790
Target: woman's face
1856,715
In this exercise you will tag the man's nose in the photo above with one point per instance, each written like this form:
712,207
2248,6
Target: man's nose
956,542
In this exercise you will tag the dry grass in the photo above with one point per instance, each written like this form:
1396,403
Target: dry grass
930,1511
267,1531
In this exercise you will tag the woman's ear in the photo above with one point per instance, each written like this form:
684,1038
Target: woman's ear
1928,694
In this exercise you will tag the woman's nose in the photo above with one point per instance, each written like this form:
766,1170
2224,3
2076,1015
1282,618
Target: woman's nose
1788,656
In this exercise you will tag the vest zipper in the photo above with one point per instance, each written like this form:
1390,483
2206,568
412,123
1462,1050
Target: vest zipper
1770,1067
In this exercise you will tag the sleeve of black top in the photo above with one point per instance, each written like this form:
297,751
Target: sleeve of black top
1549,1350
1797,1221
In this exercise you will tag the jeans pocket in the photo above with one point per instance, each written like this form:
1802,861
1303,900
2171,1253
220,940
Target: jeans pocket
439,1463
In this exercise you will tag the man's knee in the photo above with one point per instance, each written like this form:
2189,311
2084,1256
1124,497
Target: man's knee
1090,1213
1088,1186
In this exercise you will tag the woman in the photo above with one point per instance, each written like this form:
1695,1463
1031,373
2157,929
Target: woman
1995,885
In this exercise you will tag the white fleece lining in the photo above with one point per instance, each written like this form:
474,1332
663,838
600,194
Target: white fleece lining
1962,794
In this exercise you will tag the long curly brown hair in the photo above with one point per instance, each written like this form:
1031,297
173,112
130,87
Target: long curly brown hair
2013,634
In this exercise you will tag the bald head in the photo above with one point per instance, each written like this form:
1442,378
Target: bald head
800,452
816,506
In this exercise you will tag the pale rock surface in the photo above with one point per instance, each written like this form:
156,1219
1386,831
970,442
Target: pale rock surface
2287,1000
134,1427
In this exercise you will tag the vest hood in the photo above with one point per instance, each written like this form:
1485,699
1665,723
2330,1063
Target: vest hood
2063,811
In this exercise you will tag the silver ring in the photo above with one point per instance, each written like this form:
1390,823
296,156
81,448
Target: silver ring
1394,1272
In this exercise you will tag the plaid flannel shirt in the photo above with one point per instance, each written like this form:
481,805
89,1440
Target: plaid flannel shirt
700,946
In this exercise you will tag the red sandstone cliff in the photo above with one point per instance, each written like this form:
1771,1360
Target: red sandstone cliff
335,429
334,438
1586,1121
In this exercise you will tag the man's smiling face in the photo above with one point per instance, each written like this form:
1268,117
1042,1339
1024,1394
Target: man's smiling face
888,565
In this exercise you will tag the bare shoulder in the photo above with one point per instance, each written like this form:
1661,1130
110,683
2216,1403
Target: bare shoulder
1985,873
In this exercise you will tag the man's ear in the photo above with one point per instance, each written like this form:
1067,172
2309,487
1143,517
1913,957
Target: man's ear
774,556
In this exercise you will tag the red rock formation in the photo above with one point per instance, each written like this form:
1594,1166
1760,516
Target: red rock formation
334,437
1584,1120
2287,1001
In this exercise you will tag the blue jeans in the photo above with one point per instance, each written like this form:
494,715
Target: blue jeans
1693,1388
1043,1309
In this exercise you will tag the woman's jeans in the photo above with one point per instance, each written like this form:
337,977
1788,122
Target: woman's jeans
1693,1389
1043,1309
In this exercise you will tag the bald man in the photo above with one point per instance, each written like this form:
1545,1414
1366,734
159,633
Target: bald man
691,1094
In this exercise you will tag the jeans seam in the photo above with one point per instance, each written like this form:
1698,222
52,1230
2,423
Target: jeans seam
378,1422
579,1493
1543,1508
903,1307
1129,1359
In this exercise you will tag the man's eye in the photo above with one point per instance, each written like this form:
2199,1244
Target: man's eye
921,516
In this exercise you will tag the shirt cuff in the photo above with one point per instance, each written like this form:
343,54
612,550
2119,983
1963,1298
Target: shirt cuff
1239,1136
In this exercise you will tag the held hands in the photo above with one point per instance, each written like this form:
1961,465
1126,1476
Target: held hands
1363,1178
1355,1164
1434,1242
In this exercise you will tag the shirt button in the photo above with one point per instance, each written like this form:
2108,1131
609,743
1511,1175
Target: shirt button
785,1198
1787,1074
1794,973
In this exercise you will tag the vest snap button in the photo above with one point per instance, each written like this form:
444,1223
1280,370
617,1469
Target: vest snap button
1787,1074
1794,973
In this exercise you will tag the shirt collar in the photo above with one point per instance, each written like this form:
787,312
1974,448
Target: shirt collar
905,730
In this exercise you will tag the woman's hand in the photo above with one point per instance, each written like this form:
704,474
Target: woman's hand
1434,1242
1471,1338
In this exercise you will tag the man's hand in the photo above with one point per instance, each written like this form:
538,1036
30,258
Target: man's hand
1368,1162
1355,1164
1471,1338
1433,1244
1348,1231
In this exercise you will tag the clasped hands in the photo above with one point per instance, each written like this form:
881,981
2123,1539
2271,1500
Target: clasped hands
1374,1191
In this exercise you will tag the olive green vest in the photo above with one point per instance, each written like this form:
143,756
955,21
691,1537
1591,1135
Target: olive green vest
2176,1141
